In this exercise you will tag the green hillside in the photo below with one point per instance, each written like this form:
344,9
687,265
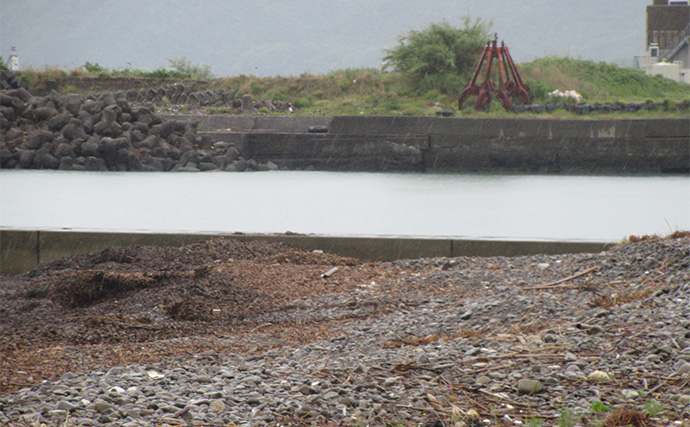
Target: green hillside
599,81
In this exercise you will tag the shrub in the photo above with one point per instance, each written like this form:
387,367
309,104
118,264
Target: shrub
196,71
439,57
303,102
94,68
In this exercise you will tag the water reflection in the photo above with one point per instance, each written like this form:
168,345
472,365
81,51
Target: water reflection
501,206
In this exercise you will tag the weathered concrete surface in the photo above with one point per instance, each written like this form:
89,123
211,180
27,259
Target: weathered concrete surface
224,122
466,144
22,250
337,152
18,251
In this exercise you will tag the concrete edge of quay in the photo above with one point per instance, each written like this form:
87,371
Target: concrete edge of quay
23,250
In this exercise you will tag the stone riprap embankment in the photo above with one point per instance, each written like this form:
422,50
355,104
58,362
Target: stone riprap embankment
614,107
180,94
107,132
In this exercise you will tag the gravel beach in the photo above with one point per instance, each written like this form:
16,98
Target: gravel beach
228,333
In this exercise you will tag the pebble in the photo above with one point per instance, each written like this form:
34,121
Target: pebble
683,368
599,376
528,386
629,394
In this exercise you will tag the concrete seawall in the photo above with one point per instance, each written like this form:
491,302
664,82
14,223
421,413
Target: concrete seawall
22,250
438,144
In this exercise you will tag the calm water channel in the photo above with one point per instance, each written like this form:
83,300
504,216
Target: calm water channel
605,208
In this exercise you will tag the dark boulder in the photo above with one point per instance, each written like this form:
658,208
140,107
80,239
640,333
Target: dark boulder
232,154
64,149
59,121
45,161
92,107
25,158
144,115
207,166
186,169
8,113
6,100
66,163
90,148
167,128
74,130
240,165
38,138
88,121
95,164
73,103
124,106
41,114
161,164
108,125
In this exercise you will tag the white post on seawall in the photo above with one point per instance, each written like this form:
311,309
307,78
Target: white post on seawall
14,60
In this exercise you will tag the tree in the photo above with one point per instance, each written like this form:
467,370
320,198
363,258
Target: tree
439,57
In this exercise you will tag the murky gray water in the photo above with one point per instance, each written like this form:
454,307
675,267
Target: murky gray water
475,206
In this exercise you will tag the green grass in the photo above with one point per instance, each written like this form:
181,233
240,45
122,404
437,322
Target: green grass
599,81
366,91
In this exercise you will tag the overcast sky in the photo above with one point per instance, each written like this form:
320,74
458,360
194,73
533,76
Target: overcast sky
291,37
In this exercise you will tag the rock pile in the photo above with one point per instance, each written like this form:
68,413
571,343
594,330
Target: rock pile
181,94
106,132
186,94
584,108
8,80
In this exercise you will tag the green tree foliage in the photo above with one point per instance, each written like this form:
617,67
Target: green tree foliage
439,57
3,65
196,71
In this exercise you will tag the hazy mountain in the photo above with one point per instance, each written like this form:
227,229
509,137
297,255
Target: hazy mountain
281,37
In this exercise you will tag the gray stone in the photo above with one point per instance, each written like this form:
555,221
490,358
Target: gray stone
570,357
203,379
308,390
594,330
529,386
59,121
65,406
38,138
216,406
43,113
483,380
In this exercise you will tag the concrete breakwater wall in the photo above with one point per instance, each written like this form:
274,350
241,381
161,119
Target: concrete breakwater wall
108,132
22,250
440,144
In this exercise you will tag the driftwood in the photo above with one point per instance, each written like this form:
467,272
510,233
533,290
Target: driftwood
558,282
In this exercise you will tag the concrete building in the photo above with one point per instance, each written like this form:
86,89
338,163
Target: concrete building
668,40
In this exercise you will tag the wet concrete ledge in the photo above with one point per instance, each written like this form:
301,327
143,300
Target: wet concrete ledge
458,145
22,250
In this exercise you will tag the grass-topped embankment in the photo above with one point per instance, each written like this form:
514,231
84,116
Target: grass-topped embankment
367,91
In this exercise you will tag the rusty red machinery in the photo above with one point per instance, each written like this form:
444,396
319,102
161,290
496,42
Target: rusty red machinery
509,82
